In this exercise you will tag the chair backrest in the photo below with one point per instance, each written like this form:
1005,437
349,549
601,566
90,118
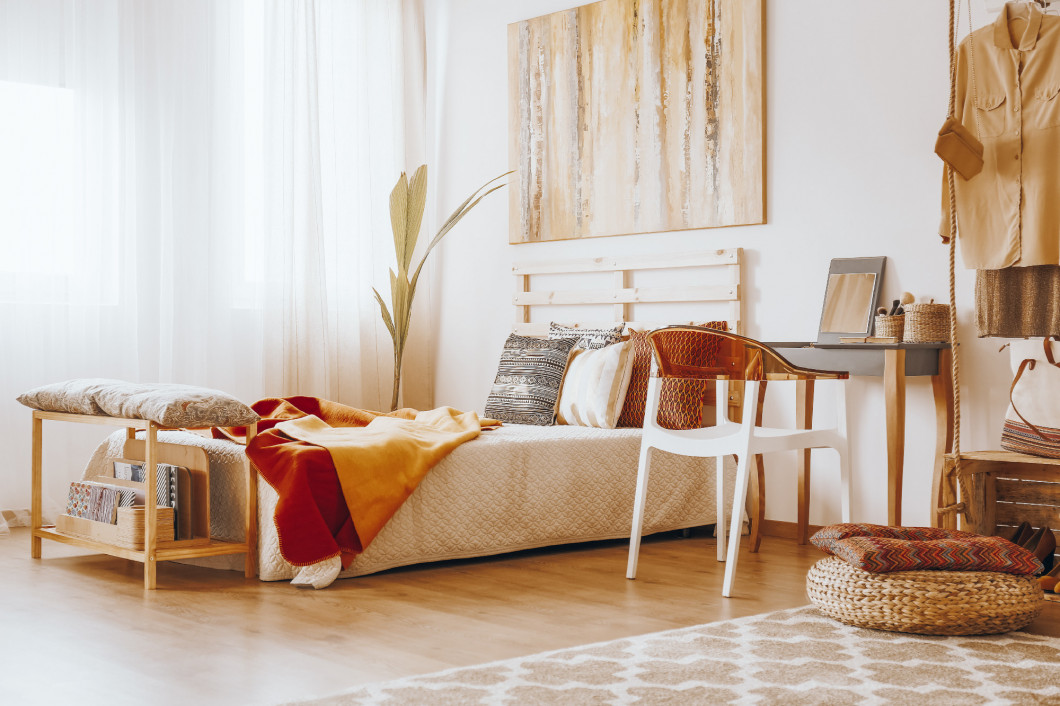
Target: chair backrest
697,352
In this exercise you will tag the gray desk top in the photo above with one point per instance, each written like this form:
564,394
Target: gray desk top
861,358
857,346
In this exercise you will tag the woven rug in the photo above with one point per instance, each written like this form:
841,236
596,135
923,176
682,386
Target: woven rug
792,657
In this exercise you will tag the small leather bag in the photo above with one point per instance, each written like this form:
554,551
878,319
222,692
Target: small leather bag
1032,422
960,149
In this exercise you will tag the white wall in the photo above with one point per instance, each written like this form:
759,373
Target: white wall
854,97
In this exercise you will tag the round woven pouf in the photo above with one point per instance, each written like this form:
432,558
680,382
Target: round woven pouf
924,602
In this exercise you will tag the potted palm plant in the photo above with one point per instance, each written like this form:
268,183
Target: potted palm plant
407,202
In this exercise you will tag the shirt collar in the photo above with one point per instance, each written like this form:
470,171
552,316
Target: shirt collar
1030,34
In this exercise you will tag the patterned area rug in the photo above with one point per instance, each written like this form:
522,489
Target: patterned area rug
791,657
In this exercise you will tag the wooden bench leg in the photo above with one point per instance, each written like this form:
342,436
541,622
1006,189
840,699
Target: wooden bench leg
150,504
250,561
35,508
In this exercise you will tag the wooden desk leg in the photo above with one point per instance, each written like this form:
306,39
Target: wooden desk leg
35,506
894,387
943,492
757,499
804,420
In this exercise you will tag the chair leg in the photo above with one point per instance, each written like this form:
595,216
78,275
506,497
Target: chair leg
743,478
638,509
721,417
720,513
844,452
743,466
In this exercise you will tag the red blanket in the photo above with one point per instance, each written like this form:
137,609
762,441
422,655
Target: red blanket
312,520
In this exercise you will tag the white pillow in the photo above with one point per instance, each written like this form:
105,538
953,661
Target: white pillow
594,388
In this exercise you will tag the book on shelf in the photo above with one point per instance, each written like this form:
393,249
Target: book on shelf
868,339
172,489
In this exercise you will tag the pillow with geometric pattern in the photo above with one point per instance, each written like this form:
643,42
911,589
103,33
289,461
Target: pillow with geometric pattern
681,401
529,378
589,338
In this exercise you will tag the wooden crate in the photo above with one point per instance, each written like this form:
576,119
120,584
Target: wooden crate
1003,489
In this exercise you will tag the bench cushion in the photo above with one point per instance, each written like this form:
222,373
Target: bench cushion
170,405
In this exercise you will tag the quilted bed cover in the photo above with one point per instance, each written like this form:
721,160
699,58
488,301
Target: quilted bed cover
513,488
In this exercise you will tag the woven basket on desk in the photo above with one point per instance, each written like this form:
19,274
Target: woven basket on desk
924,602
927,323
890,325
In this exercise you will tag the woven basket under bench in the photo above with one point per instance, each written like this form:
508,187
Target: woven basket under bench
924,602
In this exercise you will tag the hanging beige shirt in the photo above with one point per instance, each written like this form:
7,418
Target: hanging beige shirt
1009,214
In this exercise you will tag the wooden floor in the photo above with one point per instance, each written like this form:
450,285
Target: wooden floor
76,627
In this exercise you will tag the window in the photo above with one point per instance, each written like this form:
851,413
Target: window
37,169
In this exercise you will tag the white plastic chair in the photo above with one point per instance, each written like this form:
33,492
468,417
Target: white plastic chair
745,359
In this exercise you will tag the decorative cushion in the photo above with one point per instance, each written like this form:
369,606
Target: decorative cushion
167,404
825,538
591,338
681,401
883,554
595,386
529,378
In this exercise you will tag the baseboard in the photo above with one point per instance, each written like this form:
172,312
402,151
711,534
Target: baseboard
787,530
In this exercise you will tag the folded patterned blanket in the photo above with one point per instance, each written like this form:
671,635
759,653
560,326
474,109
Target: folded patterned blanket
880,549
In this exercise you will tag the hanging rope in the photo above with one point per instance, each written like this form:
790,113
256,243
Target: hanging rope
955,358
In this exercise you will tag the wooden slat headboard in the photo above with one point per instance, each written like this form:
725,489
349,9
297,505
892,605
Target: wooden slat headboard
622,295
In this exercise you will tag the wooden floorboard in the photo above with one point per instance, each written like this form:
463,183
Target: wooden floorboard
77,627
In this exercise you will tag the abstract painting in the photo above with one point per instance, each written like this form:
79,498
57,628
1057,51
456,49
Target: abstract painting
635,116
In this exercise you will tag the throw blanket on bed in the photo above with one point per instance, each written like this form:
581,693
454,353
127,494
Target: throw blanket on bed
341,473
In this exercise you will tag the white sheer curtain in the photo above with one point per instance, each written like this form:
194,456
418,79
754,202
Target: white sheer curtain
339,129
186,198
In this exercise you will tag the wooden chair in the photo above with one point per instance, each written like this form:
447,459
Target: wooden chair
698,353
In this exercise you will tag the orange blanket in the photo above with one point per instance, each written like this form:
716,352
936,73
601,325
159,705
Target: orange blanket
341,472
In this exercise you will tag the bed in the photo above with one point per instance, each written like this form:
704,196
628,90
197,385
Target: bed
519,486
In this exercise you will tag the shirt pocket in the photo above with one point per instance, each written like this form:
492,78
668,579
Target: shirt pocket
1044,108
990,111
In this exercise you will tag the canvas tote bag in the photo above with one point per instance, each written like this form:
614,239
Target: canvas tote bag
1032,423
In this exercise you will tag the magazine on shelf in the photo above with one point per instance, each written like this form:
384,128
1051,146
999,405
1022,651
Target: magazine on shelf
99,502
172,489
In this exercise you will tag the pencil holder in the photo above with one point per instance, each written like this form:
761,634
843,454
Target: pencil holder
890,325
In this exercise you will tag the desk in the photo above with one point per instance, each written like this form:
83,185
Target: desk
893,362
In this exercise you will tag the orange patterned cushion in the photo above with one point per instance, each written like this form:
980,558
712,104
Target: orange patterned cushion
681,402
884,554
826,538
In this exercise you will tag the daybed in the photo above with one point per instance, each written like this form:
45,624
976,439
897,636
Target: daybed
519,486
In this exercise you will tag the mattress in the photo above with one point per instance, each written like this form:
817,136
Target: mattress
513,488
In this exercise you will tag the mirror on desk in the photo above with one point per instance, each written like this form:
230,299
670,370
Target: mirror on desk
850,298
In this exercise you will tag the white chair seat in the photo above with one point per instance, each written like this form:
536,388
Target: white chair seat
743,439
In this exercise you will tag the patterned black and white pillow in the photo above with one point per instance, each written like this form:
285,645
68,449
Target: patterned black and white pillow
529,378
591,338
